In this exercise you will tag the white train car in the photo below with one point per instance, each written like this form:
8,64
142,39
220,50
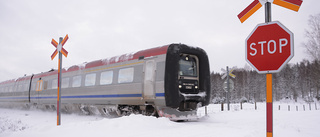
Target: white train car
171,81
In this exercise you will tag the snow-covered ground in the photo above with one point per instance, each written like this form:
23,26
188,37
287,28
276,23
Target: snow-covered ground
247,122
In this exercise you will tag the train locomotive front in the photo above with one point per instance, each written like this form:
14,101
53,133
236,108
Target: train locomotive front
170,81
187,82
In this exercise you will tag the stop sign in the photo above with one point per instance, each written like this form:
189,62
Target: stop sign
269,47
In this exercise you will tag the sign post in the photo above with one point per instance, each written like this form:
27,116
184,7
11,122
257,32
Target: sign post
228,85
269,47
269,82
61,51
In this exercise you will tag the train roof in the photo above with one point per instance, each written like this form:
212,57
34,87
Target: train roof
117,59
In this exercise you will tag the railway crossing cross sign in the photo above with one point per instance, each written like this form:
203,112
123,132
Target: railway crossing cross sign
269,47
257,4
59,47
61,51
227,72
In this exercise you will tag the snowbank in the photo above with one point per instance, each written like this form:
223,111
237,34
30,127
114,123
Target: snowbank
234,123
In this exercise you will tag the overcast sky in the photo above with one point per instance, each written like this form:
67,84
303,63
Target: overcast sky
100,29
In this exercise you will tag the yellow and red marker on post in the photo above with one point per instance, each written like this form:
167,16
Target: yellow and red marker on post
269,105
61,51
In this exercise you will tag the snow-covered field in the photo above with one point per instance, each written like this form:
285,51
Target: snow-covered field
247,122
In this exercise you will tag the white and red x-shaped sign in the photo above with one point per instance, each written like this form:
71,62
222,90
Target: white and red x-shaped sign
59,47
257,4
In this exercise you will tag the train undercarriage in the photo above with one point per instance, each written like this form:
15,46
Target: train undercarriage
188,110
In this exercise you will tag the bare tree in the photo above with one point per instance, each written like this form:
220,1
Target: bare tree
313,35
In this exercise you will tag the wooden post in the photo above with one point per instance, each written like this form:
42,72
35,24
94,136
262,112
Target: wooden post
255,105
221,106
310,106
206,111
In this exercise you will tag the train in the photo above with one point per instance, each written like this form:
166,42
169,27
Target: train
168,81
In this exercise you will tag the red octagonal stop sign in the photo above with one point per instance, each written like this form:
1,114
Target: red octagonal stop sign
269,47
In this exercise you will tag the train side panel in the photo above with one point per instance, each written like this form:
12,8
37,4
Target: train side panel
111,84
15,92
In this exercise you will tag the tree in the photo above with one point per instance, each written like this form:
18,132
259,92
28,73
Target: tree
313,35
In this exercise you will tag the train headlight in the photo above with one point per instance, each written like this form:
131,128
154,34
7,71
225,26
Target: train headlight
196,87
180,86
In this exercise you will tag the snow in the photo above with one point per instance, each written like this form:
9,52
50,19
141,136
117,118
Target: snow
247,122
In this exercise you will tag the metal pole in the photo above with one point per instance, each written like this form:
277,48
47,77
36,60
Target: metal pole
268,12
228,88
59,86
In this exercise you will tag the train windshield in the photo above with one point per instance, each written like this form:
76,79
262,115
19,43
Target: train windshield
188,66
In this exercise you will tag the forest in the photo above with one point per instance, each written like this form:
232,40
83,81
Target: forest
294,81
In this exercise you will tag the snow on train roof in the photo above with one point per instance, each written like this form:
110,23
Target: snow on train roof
117,59
15,80
122,58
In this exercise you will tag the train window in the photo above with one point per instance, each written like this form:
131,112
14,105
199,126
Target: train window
106,77
76,81
54,84
33,87
25,87
45,85
65,83
20,88
125,75
90,79
10,88
188,66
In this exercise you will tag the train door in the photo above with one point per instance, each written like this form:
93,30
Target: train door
39,87
149,79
